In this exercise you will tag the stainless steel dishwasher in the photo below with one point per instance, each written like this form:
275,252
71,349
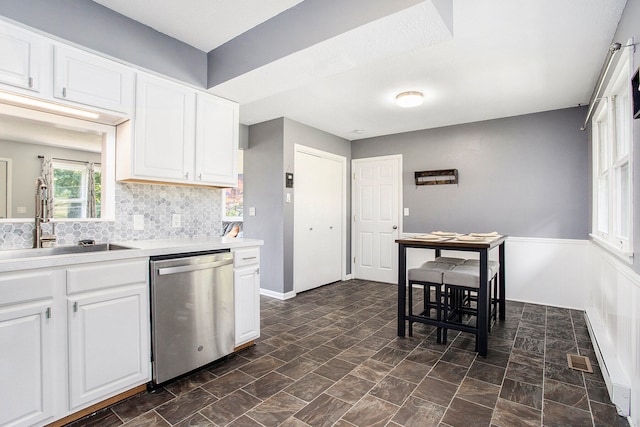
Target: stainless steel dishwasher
191,311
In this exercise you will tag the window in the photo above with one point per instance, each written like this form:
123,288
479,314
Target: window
233,202
612,142
71,192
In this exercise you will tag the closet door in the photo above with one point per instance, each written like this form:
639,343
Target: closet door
318,220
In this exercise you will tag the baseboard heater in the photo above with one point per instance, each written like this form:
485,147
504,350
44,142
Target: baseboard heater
618,385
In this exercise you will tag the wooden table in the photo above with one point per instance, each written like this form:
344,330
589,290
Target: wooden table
483,248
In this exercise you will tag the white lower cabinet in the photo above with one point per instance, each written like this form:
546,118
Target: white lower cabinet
246,282
107,343
108,323
64,348
27,353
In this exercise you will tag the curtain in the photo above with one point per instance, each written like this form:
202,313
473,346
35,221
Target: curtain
91,191
47,175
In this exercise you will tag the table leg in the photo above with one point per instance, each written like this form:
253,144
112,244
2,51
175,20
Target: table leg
402,288
502,280
483,305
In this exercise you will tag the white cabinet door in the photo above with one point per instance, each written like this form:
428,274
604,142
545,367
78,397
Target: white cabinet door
20,57
318,218
246,282
108,342
27,363
216,141
164,130
91,80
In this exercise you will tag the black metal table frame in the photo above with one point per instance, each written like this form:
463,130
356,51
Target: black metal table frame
483,249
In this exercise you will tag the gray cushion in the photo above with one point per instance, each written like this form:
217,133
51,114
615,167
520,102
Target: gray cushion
464,275
430,271
450,260
493,265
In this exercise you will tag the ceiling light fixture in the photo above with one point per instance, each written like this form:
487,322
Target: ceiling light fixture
47,106
409,99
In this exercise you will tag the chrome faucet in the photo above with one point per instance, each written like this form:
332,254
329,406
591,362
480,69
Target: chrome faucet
41,211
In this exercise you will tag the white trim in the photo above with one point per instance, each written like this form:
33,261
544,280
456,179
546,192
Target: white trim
9,183
277,295
298,148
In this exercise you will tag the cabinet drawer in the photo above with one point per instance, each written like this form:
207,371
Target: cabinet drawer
106,275
248,256
21,287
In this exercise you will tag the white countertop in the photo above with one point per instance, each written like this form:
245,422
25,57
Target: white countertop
140,249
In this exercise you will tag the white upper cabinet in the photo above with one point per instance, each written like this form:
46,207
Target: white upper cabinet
216,140
21,54
91,80
164,131
180,136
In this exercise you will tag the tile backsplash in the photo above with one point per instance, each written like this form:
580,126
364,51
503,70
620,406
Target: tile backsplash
200,210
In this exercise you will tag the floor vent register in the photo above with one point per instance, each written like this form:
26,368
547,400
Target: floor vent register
579,363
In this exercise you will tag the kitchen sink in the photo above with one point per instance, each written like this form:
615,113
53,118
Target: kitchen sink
59,250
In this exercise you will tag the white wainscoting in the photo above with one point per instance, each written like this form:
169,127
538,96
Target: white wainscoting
540,271
613,304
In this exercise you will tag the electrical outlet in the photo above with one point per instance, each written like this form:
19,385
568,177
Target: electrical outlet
22,209
406,211
138,222
176,221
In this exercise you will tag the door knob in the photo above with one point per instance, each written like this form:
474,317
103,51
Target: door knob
395,227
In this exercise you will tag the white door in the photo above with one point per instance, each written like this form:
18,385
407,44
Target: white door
216,140
26,364
318,218
92,80
108,351
164,130
376,217
246,285
20,59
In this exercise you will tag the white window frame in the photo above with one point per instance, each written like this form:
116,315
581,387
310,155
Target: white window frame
81,167
612,145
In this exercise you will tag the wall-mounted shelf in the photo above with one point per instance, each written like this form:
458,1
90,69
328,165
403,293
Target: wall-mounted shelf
444,176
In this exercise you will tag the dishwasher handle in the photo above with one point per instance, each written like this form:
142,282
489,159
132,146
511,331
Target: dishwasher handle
193,267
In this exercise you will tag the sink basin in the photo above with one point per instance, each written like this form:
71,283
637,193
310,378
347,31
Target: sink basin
59,250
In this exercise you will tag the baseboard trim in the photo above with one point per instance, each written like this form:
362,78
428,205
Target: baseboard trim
277,295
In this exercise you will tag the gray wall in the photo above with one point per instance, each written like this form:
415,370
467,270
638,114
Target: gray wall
96,27
263,190
269,156
523,176
298,133
629,27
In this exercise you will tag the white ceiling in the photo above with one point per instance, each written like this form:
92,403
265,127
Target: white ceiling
505,58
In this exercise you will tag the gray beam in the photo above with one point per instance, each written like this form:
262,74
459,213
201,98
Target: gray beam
304,25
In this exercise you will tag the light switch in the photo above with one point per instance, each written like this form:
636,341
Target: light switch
252,211
288,198
406,211
138,222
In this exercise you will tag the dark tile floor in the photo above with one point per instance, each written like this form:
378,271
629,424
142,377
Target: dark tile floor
330,356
